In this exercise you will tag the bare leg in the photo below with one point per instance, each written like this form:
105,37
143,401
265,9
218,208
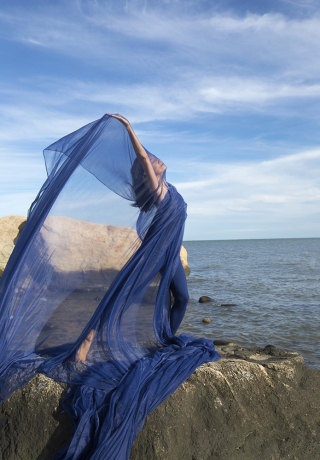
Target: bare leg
84,348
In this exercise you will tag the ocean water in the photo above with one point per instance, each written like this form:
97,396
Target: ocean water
274,284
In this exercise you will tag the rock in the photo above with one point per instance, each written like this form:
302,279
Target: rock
33,425
228,305
206,320
84,248
233,409
204,299
91,253
10,228
184,260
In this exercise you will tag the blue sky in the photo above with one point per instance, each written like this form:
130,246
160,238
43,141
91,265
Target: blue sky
226,93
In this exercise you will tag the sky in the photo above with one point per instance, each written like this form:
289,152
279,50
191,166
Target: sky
225,92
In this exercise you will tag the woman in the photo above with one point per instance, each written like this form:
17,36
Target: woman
121,358
150,188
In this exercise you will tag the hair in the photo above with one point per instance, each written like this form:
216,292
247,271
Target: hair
144,198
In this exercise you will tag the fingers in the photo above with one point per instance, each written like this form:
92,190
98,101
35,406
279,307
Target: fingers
119,117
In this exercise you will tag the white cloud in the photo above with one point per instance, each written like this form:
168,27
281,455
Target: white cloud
149,37
182,65
282,191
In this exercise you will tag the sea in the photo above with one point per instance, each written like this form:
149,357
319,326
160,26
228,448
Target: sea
265,292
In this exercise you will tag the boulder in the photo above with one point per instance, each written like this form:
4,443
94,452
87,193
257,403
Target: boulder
10,228
206,320
84,254
253,403
184,260
78,247
205,299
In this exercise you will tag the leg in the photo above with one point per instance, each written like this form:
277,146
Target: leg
179,289
84,348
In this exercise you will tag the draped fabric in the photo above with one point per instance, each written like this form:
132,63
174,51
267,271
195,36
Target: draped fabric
89,264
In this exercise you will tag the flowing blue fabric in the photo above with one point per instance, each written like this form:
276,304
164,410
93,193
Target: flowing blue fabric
89,264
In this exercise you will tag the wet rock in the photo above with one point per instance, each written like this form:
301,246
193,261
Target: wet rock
206,320
228,305
204,299
222,342
265,405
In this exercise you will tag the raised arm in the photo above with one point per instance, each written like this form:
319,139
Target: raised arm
143,157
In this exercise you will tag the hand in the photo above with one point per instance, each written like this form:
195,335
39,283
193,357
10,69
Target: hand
122,119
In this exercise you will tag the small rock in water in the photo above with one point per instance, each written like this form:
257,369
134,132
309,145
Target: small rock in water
206,320
204,299
228,305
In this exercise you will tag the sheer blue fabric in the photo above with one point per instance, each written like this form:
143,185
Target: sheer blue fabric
88,264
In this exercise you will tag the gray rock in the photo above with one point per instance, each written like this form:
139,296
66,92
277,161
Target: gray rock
205,299
33,425
264,405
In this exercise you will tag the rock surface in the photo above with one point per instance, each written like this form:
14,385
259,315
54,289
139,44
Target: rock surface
206,320
184,260
82,247
10,227
205,299
259,403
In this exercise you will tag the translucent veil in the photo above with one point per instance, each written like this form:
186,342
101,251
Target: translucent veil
88,263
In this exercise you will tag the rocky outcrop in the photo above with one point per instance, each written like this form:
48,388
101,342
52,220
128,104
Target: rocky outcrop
252,404
10,227
78,247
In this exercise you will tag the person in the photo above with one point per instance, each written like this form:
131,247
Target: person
153,169
149,188
120,356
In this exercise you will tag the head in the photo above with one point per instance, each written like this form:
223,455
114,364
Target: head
158,165
144,199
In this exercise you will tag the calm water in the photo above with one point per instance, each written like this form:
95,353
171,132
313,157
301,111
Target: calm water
274,284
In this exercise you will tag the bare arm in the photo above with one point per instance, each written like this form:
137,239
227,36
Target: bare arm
142,155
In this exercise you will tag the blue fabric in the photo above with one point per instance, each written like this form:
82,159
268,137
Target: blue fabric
179,290
68,279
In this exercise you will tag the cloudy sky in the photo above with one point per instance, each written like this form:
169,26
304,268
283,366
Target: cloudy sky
226,92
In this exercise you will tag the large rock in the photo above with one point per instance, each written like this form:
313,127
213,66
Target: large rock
184,260
10,227
78,247
253,404
85,247
85,253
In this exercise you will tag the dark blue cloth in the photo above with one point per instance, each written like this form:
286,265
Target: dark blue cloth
70,278
179,289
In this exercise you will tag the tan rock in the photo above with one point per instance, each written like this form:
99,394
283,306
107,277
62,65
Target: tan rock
78,246
10,227
87,248
184,260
